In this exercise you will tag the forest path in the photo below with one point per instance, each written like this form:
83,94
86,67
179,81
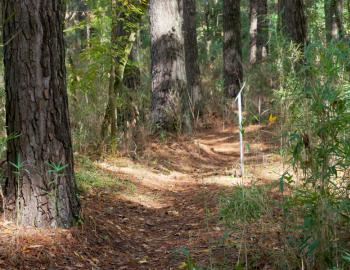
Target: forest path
170,203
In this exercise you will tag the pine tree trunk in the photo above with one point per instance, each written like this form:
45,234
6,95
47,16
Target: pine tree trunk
334,19
191,56
208,29
168,64
253,31
37,111
293,21
232,51
263,30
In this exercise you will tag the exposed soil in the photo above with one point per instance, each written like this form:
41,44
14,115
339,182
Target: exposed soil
174,204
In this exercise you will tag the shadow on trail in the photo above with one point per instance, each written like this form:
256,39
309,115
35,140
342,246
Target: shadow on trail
120,234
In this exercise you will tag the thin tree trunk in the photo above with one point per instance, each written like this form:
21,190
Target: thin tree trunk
168,64
110,105
37,111
334,19
119,75
293,21
115,83
122,41
207,32
253,31
191,56
232,49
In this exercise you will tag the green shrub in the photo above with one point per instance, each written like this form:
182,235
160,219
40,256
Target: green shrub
317,143
244,204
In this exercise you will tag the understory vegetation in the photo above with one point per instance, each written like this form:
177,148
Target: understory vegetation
312,102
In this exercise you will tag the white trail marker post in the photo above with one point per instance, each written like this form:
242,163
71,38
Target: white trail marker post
240,120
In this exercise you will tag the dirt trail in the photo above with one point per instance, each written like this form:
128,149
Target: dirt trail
176,186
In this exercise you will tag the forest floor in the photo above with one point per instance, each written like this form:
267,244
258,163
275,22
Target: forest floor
159,211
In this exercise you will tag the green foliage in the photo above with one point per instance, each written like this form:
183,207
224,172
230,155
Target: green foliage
244,204
89,178
89,67
317,95
19,169
56,169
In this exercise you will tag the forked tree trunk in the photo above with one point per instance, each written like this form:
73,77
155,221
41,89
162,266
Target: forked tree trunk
168,64
124,42
334,19
191,56
36,194
293,21
123,36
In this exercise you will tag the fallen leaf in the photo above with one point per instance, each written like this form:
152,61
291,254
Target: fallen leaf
144,260
35,246
182,265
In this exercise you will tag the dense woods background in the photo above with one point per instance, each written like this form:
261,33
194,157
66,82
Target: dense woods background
96,79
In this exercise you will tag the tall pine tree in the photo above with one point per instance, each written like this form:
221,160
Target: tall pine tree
40,188
168,64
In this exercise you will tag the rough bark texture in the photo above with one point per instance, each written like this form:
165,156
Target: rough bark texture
191,55
293,21
232,51
37,111
168,63
334,19
263,30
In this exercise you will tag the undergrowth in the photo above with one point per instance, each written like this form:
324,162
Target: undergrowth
90,178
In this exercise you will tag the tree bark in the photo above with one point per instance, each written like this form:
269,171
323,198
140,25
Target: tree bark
232,49
253,31
37,111
293,21
334,19
191,56
263,30
168,64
